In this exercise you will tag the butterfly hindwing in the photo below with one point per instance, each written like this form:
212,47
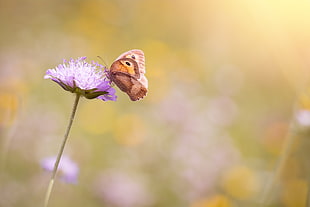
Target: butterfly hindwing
130,85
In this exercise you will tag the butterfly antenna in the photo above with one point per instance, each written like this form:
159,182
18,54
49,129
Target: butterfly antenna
105,64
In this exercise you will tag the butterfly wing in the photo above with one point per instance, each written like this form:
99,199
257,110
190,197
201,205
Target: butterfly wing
143,80
130,85
127,72
136,55
126,65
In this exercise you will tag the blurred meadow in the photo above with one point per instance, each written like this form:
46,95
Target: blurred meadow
225,122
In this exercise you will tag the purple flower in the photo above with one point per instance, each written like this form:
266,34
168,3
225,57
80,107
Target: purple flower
303,117
67,168
119,189
87,79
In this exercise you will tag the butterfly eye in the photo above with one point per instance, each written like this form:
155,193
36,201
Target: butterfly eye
128,63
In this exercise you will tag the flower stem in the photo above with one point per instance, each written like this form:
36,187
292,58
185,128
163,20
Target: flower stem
308,192
51,183
272,184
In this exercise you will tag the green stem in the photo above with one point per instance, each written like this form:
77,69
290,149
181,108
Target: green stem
51,183
308,192
270,188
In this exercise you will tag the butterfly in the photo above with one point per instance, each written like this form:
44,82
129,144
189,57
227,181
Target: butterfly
127,72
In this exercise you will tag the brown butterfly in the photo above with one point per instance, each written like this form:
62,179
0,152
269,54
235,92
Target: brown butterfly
127,72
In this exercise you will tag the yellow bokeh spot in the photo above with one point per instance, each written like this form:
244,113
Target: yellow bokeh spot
12,93
130,130
295,193
215,201
95,116
8,109
240,182
304,101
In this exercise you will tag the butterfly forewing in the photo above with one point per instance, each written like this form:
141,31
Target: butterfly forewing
126,65
136,55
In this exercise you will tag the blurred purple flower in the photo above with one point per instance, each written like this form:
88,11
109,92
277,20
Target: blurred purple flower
121,190
79,76
68,169
303,117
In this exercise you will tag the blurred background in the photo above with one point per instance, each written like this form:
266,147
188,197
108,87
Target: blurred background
228,91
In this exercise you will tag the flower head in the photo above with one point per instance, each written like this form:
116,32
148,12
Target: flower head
68,169
79,76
